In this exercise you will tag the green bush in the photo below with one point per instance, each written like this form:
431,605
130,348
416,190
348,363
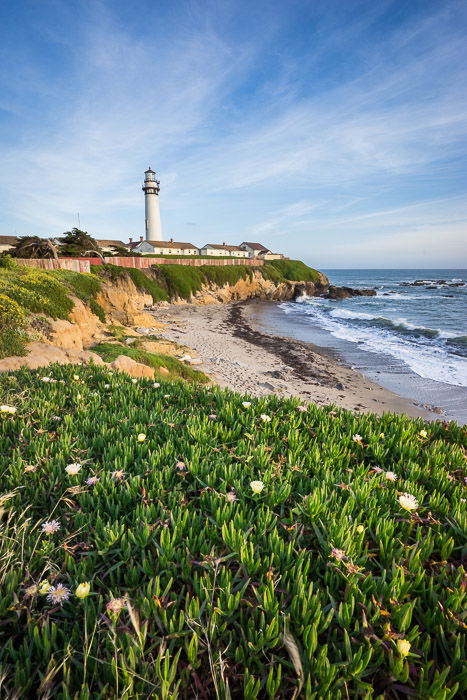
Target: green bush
320,586
110,351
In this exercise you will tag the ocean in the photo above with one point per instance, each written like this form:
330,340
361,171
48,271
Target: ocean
410,338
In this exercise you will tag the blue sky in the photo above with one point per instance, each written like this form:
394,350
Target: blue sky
332,131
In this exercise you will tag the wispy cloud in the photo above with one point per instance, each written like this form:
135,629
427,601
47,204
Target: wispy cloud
323,118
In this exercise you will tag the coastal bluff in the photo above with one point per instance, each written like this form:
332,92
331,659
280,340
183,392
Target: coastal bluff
78,310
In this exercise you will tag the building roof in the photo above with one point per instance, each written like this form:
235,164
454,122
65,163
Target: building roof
105,244
217,246
255,246
171,244
8,240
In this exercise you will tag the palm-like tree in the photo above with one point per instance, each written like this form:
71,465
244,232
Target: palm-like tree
76,242
33,247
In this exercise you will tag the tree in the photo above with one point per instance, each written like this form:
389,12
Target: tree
76,243
119,251
33,247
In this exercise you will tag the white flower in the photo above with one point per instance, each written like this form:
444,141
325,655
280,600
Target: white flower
106,386
134,381
82,591
58,594
357,438
391,476
7,409
156,385
73,469
256,486
166,396
408,502
45,379
76,377
44,587
50,527
265,418
246,404
403,647
141,437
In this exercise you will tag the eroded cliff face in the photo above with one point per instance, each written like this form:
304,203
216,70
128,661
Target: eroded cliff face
256,287
68,341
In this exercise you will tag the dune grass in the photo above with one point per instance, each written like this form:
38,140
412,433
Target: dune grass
319,586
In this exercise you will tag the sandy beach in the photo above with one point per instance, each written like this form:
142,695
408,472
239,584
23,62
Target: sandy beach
239,356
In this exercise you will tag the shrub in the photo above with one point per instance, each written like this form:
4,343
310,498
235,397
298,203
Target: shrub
110,351
294,270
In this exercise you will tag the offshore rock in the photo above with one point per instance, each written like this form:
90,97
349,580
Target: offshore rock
347,292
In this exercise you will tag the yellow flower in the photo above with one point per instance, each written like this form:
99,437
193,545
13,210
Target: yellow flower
360,529
403,646
44,587
141,437
408,502
257,486
83,590
381,435
423,433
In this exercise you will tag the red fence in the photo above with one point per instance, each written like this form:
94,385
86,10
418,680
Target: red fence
73,264
83,264
194,262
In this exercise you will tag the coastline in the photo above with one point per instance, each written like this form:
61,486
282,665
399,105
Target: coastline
238,356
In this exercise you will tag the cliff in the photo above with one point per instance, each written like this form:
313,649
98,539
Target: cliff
58,316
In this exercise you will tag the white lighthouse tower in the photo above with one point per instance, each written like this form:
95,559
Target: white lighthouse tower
151,189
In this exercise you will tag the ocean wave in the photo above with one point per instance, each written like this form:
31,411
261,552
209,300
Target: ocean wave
431,353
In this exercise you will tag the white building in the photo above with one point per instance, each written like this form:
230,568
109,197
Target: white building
163,247
151,188
229,251
254,249
258,250
108,246
7,242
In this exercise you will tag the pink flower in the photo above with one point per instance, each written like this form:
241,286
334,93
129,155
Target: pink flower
181,466
302,409
115,605
118,475
50,527
58,594
92,481
338,554
230,496
212,416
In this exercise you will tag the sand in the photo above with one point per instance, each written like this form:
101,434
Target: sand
240,357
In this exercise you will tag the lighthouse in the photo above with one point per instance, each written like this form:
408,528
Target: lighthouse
151,189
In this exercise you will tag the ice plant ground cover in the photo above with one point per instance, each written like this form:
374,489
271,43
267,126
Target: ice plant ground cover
321,585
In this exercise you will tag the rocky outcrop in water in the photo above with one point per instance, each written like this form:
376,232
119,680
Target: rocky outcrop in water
347,292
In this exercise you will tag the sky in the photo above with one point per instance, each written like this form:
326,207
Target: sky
332,131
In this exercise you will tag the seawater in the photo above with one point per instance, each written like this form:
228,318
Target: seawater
403,333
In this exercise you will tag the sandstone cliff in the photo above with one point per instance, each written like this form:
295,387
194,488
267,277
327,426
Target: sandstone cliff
125,304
